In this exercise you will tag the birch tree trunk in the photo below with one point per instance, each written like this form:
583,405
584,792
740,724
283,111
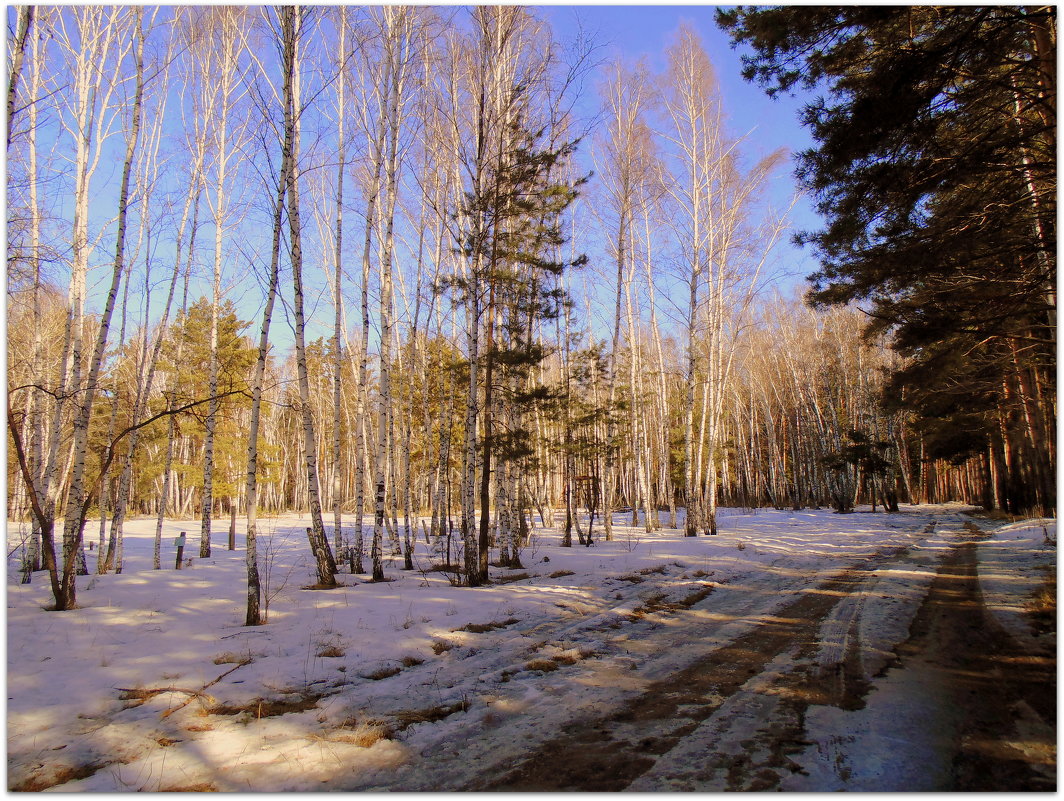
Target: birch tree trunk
18,55
292,21
78,495
226,46
192,198
397,25
254,594
376,138
341,98
147,363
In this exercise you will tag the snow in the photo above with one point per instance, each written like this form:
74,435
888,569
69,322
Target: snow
154,683
1012,567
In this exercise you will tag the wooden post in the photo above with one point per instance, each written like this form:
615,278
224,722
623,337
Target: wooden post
180,543
232,525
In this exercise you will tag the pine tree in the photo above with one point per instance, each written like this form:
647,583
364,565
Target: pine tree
935,170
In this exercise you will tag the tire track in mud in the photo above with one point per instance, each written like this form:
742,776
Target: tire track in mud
607,754
996,741
1008,695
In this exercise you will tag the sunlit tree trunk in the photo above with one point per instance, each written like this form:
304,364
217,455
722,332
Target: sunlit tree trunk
292,22
147,362
78,494
397,27
220,84
341,115
18,55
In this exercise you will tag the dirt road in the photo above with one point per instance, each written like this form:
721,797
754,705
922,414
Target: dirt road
961,708
887,675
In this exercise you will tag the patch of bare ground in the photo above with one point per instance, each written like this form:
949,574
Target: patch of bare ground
383,672
658,602
481,628
48,776
542,665
509,579
1042,607
430,714
136,696
269,707
201,787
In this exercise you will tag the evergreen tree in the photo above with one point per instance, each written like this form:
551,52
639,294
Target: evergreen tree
515,246
935,172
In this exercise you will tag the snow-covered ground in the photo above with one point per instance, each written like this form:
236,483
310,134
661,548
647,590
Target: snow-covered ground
154,683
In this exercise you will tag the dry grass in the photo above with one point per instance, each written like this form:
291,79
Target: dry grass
543,665
202,787
441,647
330,651
138,695
61,774
268,708
408,717
561,573
446,568
652,604
364,735
480,628
230,658
411,661
1042,606
508,579
383,672
646,571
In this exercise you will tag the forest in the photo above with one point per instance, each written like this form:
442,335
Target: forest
442,274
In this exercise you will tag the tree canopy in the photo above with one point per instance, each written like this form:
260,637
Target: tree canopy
934,171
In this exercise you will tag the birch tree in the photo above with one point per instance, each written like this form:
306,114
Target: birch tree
220,45
397,28
148,354
293,27
78,494
254,584
713,198
625,168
